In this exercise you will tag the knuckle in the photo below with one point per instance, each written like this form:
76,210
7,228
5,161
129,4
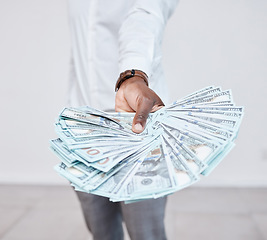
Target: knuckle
145,101
141,117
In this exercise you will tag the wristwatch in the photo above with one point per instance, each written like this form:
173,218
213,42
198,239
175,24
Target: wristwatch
129,74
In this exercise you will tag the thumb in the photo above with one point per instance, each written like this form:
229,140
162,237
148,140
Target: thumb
143,109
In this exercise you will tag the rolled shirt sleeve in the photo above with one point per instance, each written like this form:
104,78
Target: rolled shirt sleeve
140,35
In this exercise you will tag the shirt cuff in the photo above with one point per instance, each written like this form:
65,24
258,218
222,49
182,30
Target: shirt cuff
138,63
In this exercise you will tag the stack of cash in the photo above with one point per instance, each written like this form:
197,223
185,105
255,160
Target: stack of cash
101,155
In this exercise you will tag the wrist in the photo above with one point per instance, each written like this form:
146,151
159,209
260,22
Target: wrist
133,83
133,74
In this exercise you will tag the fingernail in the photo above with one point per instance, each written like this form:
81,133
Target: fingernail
138,127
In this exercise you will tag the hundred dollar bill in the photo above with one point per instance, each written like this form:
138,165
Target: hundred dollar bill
198,92
149,177
88,178
72,174
93,154
102,184
58,145
208,92
78,115
73,124
112,123
177,146
180,161
182,174
218,134
103,164
204,148
91,131
63,158
74,143
215,98
219,103
131,161
209,109
209,113
105,188
219,120
101,155
173,104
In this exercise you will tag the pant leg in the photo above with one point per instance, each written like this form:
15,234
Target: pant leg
145,219
103,218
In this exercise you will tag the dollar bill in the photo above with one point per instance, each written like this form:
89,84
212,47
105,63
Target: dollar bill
181,142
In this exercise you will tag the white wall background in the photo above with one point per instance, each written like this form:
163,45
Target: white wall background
208,42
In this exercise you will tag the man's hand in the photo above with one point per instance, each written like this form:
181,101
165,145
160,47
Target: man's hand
135,96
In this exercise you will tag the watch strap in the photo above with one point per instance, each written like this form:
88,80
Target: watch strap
129,74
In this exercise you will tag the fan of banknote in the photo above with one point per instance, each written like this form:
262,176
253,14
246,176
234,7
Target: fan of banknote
181,142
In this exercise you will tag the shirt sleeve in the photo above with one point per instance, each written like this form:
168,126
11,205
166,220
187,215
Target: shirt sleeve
140,36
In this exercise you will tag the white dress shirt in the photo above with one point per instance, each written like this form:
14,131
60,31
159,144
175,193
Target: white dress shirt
109,37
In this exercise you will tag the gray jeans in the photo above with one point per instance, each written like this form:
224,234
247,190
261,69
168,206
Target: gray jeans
144,220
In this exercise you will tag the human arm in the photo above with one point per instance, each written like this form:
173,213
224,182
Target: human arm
141,34
140,39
